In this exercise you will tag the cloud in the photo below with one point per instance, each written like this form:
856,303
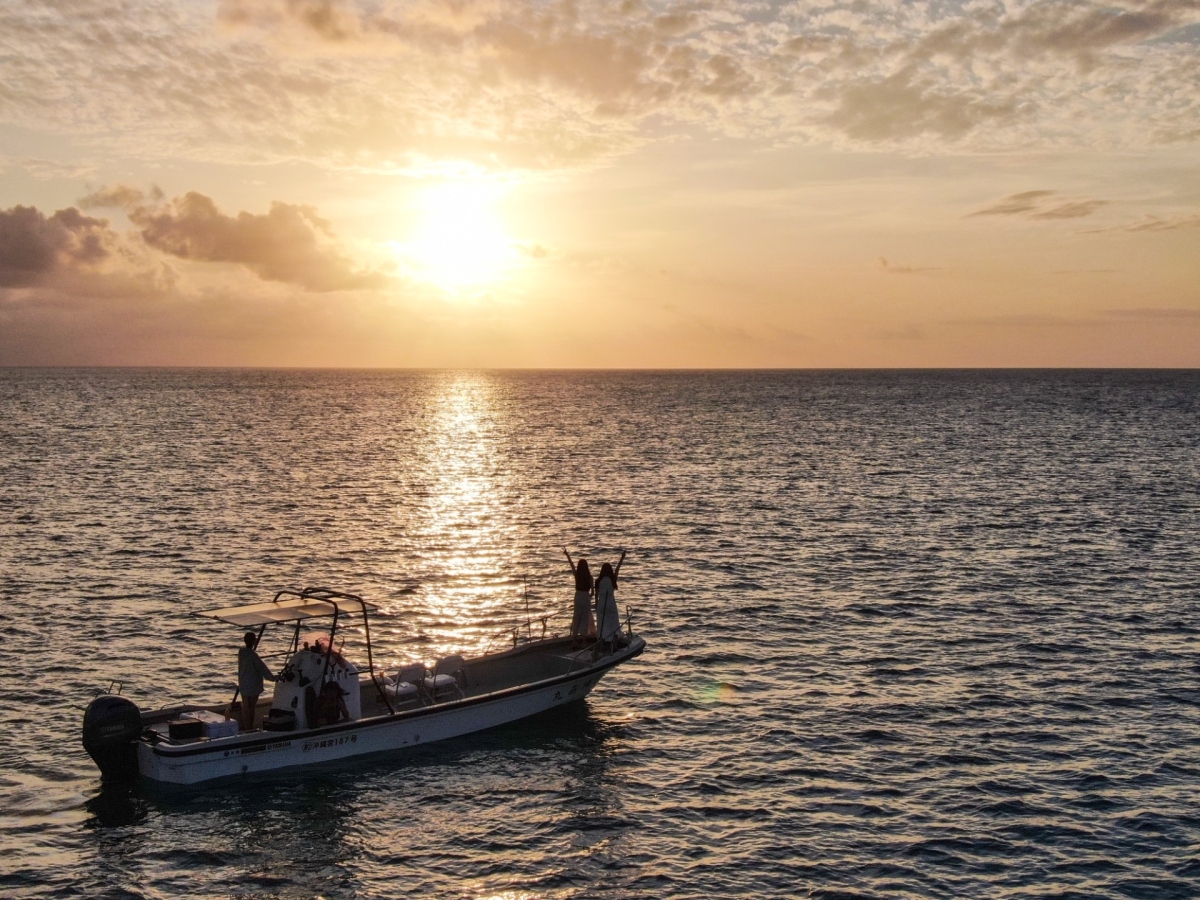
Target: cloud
34,246
45,168
69,282
1036,205
332,21
1044,205
74,290
1154,223
329,19
1075,30
1015,204
906,106
882,72
1075,209
290,243
508,83
120,196
893,269
533,250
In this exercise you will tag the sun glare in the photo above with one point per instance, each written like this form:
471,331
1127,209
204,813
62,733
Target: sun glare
459,241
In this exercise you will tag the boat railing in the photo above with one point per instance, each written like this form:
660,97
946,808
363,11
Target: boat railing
547,624
536,627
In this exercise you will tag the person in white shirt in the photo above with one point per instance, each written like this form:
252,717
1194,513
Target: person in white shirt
251,672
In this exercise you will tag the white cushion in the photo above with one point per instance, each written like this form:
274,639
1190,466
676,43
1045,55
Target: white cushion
400,691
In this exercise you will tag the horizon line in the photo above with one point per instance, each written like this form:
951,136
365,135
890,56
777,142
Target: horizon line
630,369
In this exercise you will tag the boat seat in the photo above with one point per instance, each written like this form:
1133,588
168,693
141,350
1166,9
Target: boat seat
404,686
445,677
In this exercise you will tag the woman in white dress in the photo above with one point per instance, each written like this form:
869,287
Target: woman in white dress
582,623
607,618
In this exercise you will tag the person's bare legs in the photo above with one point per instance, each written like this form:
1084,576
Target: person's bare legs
246,719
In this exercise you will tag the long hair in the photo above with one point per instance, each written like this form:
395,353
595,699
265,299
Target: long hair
606,571
583,576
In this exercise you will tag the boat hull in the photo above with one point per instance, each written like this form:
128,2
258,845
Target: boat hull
271,751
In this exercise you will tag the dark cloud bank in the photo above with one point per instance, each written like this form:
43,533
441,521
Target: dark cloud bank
34,246
290,243
76,290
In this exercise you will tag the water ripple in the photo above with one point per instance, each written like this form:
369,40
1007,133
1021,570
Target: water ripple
911,634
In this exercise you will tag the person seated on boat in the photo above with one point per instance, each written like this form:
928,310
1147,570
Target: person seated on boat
330,707
583,623
251,672
607,618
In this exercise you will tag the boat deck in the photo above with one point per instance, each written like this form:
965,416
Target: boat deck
524,664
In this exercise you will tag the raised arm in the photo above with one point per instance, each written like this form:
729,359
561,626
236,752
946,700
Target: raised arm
570,561
617,570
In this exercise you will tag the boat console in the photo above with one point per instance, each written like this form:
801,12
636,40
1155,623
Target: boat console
293,705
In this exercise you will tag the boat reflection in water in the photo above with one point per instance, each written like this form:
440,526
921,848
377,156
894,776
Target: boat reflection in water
324,708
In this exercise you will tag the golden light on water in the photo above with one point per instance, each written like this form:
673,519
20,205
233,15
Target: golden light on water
461,521
460,242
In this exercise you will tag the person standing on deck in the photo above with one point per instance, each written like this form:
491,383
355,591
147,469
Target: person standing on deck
251,672
607,617
582,622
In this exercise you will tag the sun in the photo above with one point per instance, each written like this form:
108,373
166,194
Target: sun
459,242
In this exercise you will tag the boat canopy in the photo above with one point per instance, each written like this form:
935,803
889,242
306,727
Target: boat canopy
289,606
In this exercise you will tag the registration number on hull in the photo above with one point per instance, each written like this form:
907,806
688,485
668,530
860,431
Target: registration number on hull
330,742
278,745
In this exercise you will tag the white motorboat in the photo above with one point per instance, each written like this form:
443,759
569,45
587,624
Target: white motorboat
295,725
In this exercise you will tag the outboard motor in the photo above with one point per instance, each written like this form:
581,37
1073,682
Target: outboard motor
111,727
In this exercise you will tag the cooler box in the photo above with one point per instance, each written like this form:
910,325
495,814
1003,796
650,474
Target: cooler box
185,729
213,725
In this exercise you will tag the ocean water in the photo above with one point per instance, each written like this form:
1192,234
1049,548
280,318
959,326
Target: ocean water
910,634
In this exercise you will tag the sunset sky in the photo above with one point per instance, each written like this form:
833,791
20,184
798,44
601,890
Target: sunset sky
600,184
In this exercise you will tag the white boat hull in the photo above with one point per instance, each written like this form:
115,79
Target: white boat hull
240,755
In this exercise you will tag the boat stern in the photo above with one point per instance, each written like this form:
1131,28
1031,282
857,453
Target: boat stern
112,726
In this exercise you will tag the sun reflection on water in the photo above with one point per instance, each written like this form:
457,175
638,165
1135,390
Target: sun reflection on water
460,522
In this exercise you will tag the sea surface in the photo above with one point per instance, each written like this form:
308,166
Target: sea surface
910,634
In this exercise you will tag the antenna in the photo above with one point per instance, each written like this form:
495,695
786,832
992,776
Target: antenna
528,624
